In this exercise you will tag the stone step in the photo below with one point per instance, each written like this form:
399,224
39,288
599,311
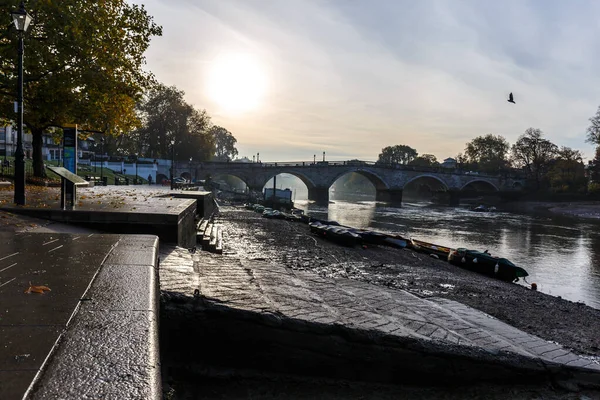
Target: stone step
206,236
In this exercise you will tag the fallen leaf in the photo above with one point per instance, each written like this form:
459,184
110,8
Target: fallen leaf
37,289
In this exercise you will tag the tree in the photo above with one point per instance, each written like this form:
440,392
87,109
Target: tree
488,152
593,131
199,143
533,153
83,64
594,167
399,154
425,160
567,171
166,117
224,143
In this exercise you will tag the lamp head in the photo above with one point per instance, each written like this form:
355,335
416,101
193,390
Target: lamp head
21,18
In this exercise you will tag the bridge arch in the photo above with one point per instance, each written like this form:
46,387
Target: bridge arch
218,174
423,176
378,182
479,181
310,185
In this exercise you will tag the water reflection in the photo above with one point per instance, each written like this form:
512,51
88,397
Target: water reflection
561,255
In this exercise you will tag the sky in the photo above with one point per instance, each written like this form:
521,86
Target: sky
296,78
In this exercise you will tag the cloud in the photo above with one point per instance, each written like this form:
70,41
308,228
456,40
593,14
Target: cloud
351,77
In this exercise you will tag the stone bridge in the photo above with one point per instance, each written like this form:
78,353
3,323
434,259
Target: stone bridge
389,180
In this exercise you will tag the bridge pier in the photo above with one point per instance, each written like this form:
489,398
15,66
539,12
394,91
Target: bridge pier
454,197
319,195
393,196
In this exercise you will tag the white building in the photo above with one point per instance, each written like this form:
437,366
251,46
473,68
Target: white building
449,163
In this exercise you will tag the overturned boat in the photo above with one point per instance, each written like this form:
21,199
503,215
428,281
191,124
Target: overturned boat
484,263
440,252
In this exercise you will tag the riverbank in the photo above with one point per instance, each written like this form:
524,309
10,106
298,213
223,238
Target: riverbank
573,325
589,210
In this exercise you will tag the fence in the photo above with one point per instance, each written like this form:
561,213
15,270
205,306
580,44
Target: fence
7,168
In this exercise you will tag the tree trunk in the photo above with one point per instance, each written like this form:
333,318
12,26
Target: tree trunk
38,161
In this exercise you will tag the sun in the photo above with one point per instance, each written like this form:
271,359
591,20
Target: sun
237,82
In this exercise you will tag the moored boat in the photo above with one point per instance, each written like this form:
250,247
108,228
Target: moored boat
486,264
341,236
430,248
395,241
317,227
371,237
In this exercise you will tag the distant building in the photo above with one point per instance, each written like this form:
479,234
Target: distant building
243,159
449,163
50,149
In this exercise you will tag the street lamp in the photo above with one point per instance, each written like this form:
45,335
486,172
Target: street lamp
5,144
22,21
102,160
190,169
135,182
323,156
314,158
172,163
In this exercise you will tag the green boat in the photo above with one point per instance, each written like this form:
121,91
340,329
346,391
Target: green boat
485,263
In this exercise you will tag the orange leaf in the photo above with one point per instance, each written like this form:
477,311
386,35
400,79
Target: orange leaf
37,289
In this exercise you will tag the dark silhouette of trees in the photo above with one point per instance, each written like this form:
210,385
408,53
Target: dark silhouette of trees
425,160
533,153
225,149
399,154
488,153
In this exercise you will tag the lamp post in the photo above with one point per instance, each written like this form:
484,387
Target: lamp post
314,158
22,21
323,156
190,169
172,163
5,144
102,159
135,182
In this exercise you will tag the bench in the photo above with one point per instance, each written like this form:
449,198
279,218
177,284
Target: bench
120,180
98,180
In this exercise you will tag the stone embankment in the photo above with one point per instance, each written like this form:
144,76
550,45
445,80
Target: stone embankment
282,302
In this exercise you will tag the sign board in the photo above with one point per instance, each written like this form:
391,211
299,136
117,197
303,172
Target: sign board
68,187
68,175
70,148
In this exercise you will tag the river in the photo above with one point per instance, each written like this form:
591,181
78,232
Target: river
561,255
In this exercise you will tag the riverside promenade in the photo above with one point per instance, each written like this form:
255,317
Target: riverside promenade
78,307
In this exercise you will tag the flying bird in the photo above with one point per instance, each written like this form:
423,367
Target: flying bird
511,99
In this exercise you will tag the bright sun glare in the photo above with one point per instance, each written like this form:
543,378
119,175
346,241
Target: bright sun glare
237,82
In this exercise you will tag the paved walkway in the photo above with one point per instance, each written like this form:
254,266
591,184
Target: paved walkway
94,333
284,297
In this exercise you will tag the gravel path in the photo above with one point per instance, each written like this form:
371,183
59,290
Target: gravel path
573,325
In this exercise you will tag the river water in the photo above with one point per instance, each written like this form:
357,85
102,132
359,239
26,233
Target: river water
561,255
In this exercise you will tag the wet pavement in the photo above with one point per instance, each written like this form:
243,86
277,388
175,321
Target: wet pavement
92,330
57,289
258,314
134,210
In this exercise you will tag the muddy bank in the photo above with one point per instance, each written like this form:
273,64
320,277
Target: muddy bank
588,210
573,325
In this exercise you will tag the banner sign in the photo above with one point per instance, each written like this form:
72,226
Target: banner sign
70,148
